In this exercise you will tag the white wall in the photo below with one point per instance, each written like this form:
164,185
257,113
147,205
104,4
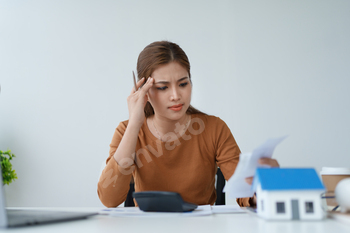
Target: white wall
268,68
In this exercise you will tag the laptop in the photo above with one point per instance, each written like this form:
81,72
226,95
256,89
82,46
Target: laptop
19,217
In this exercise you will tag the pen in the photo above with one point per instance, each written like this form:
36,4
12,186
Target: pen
133,74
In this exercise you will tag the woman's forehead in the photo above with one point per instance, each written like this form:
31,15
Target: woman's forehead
170,72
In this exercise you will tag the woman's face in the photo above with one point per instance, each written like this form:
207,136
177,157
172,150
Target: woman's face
170,95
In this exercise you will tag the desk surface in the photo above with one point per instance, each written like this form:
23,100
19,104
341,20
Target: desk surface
218,223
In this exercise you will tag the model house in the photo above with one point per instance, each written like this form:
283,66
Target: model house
288,193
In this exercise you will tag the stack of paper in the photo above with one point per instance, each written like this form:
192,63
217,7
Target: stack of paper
203,210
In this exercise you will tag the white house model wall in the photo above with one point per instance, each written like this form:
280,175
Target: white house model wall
277,205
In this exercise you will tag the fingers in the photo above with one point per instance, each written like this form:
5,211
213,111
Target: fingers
268,161
249,180
147,85
138,85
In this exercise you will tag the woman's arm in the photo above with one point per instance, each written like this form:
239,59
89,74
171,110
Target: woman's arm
137,100
227,155
113,185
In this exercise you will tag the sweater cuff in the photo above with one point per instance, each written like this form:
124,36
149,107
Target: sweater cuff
246,202
243,202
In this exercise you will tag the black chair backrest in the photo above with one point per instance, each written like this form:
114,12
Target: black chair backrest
220,184
129,200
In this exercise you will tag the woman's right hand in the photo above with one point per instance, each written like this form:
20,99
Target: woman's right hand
137,101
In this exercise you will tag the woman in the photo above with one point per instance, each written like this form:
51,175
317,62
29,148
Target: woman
167,144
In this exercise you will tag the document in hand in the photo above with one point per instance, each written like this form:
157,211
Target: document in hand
236,186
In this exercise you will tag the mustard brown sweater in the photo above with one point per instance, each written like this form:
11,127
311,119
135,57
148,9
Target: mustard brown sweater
187,166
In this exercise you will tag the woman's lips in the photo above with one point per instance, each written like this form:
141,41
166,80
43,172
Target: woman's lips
176,107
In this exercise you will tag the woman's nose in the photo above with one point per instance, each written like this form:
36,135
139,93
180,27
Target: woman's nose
175,94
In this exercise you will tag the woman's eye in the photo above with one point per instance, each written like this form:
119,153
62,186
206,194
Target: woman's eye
162,88
183,84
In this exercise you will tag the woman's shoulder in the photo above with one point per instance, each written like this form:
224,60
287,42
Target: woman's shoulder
122,126
210,122
211,119
125,123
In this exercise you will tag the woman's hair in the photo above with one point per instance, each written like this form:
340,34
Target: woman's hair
160,53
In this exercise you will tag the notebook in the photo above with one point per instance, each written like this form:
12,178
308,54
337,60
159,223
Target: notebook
20,217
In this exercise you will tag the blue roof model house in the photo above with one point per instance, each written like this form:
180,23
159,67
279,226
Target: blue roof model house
288,193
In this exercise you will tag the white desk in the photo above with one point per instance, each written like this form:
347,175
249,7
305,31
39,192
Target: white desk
218,223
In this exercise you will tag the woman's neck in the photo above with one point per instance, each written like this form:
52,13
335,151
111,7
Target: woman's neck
163,126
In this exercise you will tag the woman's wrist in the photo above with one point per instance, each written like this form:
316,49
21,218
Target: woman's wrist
134,126
125,153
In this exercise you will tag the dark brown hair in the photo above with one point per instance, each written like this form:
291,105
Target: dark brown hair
160,53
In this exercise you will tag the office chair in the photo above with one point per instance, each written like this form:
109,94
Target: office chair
220,183
129,202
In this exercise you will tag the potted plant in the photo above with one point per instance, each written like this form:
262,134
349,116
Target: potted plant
8,175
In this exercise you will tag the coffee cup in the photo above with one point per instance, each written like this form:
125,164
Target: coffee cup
331,177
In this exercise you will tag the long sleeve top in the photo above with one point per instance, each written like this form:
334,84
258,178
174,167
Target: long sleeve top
187,165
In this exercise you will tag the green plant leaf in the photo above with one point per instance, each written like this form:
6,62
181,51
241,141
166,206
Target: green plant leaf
8,175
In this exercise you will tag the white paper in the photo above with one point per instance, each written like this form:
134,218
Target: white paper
236,186
200,211
136,212
226,209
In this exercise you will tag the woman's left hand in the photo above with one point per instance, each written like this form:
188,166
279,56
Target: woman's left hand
263,161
